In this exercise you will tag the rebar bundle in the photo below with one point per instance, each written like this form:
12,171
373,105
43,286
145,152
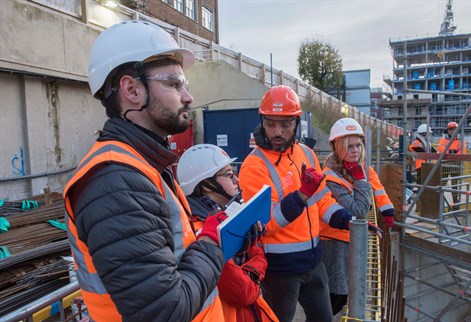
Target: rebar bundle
33,241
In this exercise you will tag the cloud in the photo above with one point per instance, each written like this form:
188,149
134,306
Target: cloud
359,29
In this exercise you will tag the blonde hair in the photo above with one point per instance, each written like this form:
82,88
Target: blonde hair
340,148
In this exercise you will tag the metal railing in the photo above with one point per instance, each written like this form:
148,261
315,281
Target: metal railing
26,312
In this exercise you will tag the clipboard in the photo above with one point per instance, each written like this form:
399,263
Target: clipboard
232,231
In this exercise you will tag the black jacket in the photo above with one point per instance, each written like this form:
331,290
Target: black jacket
125,222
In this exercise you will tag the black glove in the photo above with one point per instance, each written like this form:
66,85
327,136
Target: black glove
375,229
252,237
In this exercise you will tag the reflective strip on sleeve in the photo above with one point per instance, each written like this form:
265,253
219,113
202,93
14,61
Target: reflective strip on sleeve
279,217
379,192
330,211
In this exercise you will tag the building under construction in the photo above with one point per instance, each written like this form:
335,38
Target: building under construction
420,271
439,69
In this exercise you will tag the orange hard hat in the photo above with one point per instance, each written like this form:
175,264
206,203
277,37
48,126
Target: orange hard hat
452,125
280,100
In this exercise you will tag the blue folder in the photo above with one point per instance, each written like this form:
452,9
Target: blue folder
232,231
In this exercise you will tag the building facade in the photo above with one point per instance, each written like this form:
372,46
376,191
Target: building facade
439,65
196,16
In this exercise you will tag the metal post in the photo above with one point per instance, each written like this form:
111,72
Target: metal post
378,149
357,269
271,70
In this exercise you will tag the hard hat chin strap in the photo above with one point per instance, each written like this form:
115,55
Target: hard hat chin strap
214,186
139,66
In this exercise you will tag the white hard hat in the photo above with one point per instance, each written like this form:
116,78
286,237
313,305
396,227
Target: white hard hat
423,128
345,126
131,41
200,162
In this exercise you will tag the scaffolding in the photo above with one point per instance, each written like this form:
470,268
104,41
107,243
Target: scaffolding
436,225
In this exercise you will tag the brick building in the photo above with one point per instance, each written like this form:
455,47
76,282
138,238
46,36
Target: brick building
200,17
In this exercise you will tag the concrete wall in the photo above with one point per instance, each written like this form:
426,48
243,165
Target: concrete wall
219,85
425,301
47,114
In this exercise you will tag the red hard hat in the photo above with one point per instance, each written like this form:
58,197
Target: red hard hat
452,125
280,100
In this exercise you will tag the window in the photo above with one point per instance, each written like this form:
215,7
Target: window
190,9
207,18
166,1
178,4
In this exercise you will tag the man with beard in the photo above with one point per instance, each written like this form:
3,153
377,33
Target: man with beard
135,251
300,199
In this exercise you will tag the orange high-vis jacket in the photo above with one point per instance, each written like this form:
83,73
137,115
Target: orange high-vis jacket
99,303
381,198
283,237
456,147
417,144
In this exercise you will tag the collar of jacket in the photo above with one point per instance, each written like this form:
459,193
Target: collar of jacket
448,136
152,147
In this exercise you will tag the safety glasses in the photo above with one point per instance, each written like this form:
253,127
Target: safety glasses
228,174
175,82
284,125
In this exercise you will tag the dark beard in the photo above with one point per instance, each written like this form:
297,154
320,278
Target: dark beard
173,124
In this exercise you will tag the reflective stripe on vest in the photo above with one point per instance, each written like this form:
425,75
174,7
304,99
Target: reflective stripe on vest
291,247
89,282
119,152
278,215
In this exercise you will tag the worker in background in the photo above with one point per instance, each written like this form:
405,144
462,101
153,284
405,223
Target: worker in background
347,181
392,148
458,146
300,200
136,254
421,143
207,179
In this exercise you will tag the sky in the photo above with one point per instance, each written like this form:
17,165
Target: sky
359,29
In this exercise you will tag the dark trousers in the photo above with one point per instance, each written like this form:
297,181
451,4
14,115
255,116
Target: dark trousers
338,301
311,289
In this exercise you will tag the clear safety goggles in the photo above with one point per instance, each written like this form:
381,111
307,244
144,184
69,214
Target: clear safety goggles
285,125
174,82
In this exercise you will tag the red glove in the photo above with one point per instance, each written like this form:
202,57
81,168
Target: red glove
210,226
310,181
389,221
355,170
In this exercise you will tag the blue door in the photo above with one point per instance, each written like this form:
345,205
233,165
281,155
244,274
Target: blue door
231,129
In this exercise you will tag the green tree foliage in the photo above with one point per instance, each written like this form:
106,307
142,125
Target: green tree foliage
320,64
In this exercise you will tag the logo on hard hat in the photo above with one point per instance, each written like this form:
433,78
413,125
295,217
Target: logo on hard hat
277,104
351,127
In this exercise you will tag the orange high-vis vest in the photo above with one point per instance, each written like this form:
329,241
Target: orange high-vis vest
381,198
457,146
99,303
